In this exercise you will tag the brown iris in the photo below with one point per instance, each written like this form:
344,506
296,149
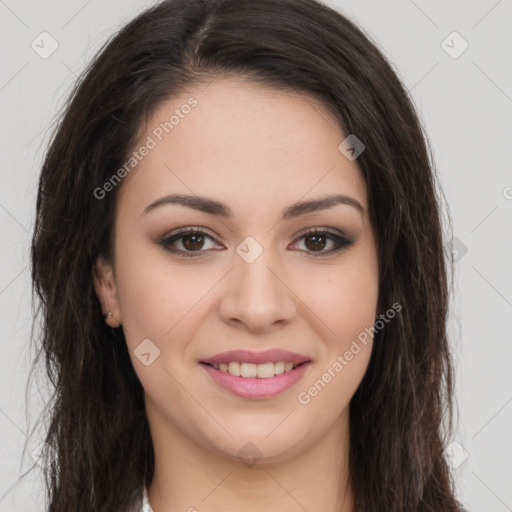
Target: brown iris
196,241
318,243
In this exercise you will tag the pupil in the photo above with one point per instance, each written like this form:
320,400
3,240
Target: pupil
318,244
194,245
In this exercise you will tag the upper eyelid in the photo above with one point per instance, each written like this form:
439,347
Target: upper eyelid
179,232
322,229
197,229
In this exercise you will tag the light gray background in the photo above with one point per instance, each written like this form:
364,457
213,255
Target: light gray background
466,106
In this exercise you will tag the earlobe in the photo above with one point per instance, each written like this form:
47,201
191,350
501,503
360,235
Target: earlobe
106,291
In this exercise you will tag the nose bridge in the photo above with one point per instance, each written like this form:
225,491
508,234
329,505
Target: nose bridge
256,295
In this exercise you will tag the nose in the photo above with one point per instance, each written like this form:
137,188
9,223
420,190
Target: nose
257,296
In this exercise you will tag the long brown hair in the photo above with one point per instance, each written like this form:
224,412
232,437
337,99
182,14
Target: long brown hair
401,414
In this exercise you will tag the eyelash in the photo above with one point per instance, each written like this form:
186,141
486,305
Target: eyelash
338,239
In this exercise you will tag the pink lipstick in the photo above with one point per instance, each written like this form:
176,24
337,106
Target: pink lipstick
266,373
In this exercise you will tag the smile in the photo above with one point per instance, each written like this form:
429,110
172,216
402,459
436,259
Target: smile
256,381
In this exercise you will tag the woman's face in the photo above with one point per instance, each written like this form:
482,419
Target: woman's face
253,279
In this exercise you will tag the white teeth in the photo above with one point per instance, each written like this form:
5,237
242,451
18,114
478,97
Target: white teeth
234,369
248,370
279,368
262,371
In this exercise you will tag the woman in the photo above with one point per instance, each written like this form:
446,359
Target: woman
239,256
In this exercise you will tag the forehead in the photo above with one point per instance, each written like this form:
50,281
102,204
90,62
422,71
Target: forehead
246,144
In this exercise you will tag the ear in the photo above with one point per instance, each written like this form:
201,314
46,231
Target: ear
106,290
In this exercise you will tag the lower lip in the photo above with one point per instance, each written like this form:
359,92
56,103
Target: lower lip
252,387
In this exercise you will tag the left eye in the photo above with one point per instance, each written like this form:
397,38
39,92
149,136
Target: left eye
316,240
193,239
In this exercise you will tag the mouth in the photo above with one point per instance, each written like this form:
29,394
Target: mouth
256,381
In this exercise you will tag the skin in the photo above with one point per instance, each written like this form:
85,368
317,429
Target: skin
258,150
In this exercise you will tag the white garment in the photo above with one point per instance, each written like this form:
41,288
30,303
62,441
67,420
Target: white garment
146,507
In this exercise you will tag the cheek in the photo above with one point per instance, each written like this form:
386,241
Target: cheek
344,302
154,296
346,305
343,297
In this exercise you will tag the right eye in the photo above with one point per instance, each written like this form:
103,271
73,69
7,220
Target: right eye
191,239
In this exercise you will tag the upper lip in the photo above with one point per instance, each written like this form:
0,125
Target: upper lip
246,356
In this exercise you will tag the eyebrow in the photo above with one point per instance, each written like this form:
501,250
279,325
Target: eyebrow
213,207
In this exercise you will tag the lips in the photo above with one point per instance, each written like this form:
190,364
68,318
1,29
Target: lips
256,388
268,356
